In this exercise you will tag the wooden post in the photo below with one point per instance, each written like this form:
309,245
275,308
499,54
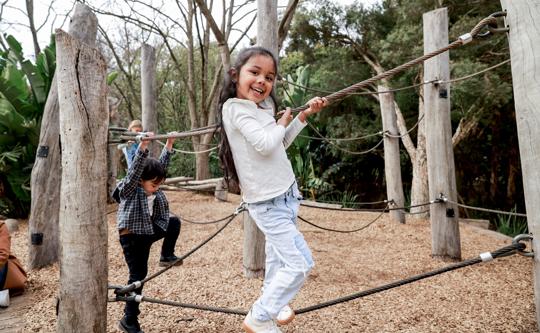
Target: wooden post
440,156
47,172
254,243
113,153
524,40
84,120
392,161
148,95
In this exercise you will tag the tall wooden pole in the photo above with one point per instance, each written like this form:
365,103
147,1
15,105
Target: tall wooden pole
392,161
47,171
440,156
524,40
148,95
84,121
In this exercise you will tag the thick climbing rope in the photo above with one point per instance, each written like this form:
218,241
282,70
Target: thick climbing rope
462,40
484,257
134,285
458,79
515,247
488,22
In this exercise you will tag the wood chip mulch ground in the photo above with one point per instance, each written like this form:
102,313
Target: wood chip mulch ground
490,297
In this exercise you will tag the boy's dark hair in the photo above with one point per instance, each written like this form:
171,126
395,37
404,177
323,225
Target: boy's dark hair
153,169
228,90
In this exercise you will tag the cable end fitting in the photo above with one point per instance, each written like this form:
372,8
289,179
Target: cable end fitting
486,256
466,38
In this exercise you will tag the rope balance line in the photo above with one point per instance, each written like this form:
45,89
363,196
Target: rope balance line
462,40
484,209
344,231
458,79
132,286
516,247
484,257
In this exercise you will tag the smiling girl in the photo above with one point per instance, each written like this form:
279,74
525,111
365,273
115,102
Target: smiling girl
253,153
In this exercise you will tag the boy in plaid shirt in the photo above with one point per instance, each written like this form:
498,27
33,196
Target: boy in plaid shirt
142,219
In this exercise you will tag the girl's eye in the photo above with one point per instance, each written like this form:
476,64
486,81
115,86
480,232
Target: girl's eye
270,78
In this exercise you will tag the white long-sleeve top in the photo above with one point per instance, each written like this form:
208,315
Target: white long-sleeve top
258,146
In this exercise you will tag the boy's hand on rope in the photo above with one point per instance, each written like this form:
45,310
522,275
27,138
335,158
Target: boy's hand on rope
170,140
316,104
286,117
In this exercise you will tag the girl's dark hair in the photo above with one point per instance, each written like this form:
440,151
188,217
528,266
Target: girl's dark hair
153,169
228,90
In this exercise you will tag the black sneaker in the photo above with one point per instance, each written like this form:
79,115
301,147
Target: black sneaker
126,327
170,261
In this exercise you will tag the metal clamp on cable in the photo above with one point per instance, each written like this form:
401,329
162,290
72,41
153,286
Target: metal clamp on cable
140,136
128,288
486,256
440,199
466,38
240,208
521,237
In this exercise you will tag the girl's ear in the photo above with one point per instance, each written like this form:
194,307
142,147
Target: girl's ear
233,74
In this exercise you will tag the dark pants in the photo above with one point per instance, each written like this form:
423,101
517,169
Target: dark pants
136,250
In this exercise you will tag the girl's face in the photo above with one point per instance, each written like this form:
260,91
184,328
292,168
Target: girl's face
256,78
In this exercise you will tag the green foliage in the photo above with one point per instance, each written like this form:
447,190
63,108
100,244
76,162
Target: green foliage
341,43
511,225
23,92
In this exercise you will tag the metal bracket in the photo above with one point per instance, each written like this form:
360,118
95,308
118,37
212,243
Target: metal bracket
36,238
43,151
443,93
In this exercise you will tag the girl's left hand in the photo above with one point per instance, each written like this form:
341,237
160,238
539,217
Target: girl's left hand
315,104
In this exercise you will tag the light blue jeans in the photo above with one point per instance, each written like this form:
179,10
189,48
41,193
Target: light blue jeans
288,258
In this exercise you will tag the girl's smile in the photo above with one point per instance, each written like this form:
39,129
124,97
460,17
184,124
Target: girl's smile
256,78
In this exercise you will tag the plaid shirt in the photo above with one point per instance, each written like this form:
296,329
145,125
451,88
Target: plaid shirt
133,213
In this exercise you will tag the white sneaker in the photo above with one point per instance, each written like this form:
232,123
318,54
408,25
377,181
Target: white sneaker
285,316
4,298
252,325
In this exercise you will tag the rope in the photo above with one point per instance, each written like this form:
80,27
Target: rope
136,284
348,202
343,149
343,231
191,152
516,247
462,40
206,222
405,87
502,252
485,209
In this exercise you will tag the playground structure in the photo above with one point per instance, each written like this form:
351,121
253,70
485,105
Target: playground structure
82,124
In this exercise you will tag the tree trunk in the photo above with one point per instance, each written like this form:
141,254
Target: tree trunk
419,186
84,118
47,172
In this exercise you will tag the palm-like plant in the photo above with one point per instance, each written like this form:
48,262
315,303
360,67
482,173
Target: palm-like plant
23,92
